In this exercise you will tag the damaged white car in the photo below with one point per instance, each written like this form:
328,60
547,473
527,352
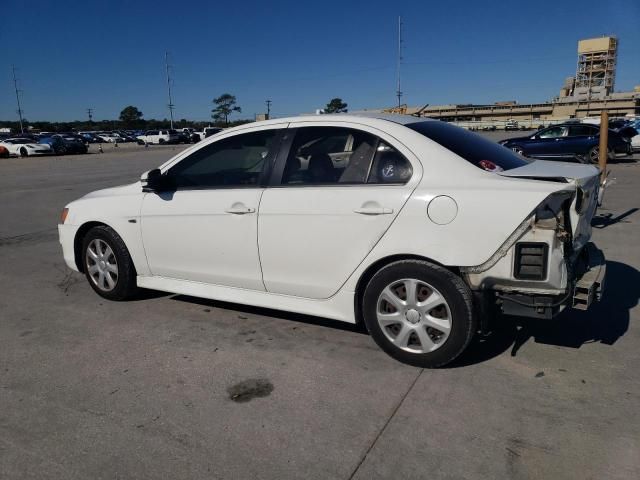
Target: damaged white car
413,227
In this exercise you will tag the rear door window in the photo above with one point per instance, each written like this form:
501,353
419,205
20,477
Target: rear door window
474,148
582,131
342,156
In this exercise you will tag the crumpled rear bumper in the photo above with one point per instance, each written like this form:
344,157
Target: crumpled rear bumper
588,287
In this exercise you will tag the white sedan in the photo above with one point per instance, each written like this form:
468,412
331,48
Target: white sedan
418,231
25,147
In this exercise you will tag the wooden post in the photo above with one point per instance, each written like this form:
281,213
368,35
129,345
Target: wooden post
604,144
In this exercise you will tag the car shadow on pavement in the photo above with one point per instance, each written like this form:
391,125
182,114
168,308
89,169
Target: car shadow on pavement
605,322
604,220
268,312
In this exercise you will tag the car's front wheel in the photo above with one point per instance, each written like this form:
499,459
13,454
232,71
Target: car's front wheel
24,152
108,265
419,313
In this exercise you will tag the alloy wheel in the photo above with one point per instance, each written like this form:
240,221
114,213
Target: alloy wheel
101,265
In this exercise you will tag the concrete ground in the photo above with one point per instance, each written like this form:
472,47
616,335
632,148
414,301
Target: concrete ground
176,387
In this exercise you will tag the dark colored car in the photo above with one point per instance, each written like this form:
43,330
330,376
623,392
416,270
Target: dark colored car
65,144
183,137
569,141
88,137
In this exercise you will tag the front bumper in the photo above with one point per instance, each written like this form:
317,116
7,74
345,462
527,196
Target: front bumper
587,288
67,235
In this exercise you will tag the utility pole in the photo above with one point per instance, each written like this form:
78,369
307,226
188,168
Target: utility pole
15,85
399,91
90,113
268,102
171,105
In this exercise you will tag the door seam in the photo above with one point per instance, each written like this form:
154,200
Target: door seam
258,240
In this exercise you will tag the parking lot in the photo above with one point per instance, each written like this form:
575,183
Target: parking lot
169,386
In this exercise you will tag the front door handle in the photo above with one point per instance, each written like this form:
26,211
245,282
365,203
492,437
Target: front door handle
373,211
239,210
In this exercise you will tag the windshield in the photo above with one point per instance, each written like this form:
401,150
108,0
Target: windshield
475,149
19,141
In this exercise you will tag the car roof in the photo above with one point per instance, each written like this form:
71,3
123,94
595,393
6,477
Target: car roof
352,116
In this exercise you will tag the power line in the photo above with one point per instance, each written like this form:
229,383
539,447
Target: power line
170,105
398,91
15,85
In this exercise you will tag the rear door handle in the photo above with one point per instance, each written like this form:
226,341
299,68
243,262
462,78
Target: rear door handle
373,211
240,210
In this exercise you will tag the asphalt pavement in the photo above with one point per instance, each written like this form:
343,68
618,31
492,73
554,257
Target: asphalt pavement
176,387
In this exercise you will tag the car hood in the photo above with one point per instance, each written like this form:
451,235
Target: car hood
514,139
121,190
582,180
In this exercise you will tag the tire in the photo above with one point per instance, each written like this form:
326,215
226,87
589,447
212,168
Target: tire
424,336
592,156
24,152
99,262
161,141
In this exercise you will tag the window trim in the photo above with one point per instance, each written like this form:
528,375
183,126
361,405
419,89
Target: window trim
289,136
264,173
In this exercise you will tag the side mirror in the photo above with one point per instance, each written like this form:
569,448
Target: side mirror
155,181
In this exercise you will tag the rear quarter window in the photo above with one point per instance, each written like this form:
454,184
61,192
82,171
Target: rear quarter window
472,147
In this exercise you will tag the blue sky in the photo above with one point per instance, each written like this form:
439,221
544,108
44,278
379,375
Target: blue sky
109,54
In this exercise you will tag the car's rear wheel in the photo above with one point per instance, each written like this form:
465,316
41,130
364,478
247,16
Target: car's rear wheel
108,265
593,156
24,152
161,141
419,313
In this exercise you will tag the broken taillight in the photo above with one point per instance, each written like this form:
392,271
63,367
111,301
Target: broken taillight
489,166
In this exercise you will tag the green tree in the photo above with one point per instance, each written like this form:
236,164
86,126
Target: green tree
336,105
130,116
224,106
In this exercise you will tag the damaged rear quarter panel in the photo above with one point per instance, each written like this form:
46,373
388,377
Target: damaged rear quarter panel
490,208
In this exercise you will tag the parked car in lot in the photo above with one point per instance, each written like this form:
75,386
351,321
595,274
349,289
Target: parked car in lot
90,137
205,133
109,137
25,147
511,125
159,137
635,139
418,230
65,144
567,142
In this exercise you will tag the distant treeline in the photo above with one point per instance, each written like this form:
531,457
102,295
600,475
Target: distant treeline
108,125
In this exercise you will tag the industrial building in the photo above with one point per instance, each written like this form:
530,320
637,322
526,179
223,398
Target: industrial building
586,94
